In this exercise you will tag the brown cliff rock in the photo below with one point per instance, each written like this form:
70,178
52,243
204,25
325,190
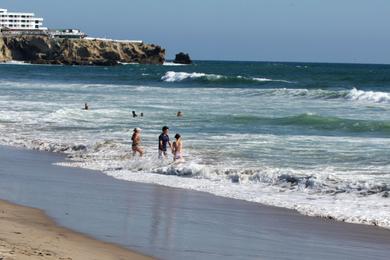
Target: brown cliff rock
45,50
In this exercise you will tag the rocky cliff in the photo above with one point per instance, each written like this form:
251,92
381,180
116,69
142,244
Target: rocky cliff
45,50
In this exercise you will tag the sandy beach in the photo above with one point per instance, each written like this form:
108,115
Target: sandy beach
27,233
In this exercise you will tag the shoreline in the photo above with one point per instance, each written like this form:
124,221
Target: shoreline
172,223
28,233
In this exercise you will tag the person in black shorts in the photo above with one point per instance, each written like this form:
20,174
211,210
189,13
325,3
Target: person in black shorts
163,142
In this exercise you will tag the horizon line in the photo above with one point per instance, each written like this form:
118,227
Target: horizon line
279,61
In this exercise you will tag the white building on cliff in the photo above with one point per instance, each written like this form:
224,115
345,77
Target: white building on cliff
20,21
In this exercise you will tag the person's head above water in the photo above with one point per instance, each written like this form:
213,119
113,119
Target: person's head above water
177,136
137,130
165,129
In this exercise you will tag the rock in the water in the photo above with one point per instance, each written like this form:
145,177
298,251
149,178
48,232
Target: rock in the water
46,50
183,58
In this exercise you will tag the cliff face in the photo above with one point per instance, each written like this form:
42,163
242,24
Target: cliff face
45,50
5,54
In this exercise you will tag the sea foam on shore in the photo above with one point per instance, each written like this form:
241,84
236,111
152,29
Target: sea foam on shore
283,140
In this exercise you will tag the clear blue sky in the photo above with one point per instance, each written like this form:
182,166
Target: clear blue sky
263,30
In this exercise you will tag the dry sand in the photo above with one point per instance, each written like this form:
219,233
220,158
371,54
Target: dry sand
27,233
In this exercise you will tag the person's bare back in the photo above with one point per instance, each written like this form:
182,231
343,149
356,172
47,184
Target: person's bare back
178,149
136,146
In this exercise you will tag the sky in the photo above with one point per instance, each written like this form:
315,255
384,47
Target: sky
352,31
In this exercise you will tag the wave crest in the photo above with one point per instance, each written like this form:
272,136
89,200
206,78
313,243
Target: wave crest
172,76
370,96
329,94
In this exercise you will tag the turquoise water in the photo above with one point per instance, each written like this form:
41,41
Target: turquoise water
312,137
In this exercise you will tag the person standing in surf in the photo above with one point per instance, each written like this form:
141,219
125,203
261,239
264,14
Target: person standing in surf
177,149
163,142
136,146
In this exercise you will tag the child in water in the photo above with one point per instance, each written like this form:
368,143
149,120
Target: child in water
177,149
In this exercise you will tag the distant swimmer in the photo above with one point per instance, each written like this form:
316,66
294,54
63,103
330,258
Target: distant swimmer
134,114
136,146
177,149
86,107
142,114
179,114
163,141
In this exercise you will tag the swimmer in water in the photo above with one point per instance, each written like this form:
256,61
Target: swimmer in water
86,106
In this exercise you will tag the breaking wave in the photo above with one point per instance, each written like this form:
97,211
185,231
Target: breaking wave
15,62
329,94
353,94
172,76
318,192
169,63
110,155
370,96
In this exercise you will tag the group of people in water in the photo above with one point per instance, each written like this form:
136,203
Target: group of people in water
163,143
178,114
135,114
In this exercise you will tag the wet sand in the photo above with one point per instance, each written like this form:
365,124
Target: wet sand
177,224
27,233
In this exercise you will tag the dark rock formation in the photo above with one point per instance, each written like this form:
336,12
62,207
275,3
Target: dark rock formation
45,50
182,58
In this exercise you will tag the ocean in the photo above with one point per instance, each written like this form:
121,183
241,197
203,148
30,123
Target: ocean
306,136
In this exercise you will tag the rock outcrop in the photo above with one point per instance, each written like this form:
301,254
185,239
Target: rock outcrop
46,50
183,58
5,54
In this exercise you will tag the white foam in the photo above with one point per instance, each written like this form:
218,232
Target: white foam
100,139
324,192
15,62
172,76
169,63
370,96
347,207
129,63
272,80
